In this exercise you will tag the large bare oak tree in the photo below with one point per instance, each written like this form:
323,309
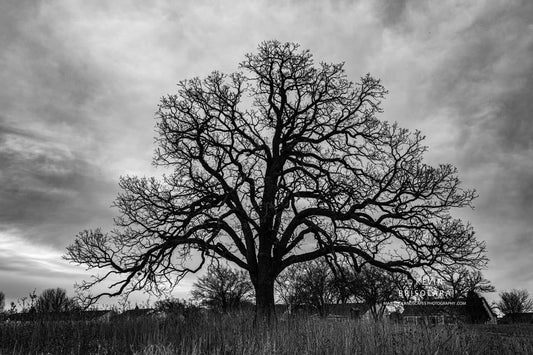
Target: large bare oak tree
281,163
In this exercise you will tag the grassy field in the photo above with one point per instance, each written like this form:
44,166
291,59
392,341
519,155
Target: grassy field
235,334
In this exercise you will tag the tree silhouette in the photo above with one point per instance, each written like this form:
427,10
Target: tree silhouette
55,300
515,301
457,282
310,283
371,285
2,302
281,163
223,288
170,305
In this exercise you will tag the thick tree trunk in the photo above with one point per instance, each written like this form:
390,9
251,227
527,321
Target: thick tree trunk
264,299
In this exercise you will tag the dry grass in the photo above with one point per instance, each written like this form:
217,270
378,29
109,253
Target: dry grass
235,334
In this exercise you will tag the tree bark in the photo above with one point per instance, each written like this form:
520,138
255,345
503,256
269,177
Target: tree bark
264,299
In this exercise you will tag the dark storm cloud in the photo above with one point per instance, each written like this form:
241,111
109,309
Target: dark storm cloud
513,118
46,188
49,186
485,83
391,13
45,78
487,78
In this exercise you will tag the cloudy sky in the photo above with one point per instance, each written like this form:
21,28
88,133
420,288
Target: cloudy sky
80,82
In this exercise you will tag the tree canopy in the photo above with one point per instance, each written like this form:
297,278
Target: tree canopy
223,288
280,163
55,300
459,281
310,284
515,301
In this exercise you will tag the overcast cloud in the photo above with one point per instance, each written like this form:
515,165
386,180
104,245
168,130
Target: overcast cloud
80,82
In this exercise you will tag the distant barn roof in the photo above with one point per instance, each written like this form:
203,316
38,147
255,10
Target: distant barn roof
517,318
435,308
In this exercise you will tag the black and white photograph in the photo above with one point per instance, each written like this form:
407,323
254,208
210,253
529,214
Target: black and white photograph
266,177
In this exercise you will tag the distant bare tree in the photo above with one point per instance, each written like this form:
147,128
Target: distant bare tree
27,303
55,300
223,288
309,284
371,285
515,301
375,287
406,288
284,286
458,282
341,289
170,305
2,302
